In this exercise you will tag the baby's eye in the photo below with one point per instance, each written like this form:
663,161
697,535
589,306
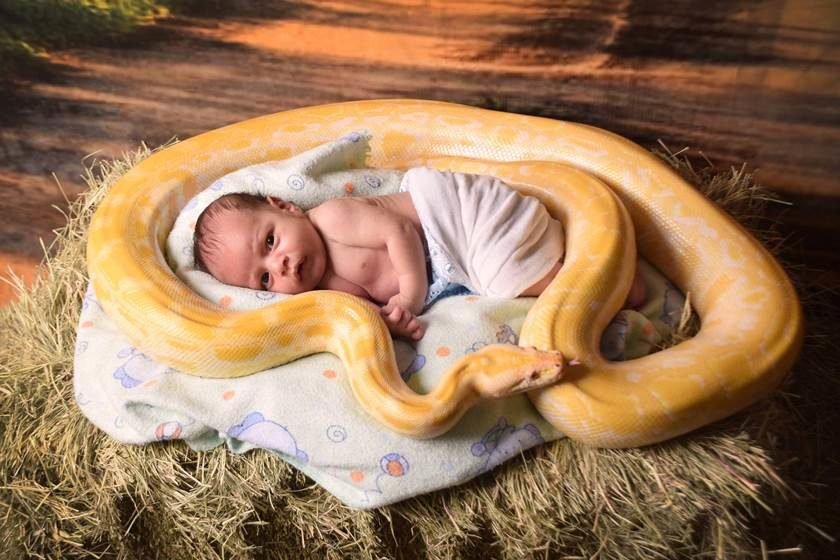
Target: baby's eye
264,280
269,241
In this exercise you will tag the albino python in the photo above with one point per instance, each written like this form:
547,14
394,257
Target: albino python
751,319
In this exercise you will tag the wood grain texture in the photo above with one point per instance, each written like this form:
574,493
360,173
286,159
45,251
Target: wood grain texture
741,81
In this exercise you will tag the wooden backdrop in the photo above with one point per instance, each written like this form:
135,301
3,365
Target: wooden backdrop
741,81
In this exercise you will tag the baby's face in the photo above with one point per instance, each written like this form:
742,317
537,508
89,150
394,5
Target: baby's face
274,248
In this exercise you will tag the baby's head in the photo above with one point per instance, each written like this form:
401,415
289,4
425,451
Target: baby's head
262,243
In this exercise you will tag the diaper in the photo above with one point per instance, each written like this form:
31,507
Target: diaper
481,233
439,272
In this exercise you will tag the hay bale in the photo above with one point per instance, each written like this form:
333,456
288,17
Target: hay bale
67,490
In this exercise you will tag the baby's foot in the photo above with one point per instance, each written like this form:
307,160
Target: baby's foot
637,296
402,322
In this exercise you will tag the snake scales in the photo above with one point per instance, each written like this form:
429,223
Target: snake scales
751,319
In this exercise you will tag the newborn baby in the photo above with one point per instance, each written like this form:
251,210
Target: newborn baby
401,251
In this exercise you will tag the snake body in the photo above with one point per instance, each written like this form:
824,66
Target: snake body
610,194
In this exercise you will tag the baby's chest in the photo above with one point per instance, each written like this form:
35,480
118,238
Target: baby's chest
369,268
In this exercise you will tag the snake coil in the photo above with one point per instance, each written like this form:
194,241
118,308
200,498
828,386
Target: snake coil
611,196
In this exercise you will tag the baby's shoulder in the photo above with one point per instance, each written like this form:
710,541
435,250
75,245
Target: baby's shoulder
340,214
335,214
336,207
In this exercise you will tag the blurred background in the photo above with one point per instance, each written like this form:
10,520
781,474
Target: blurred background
740,81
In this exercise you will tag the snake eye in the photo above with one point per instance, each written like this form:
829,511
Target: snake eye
269,241
264,280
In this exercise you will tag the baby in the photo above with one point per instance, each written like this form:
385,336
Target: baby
401,251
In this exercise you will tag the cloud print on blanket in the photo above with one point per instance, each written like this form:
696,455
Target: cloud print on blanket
137,368
504,441
255,429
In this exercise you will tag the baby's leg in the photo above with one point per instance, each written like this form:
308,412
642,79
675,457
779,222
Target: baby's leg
537,288
637,296
635,299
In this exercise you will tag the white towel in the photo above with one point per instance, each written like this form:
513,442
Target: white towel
496,241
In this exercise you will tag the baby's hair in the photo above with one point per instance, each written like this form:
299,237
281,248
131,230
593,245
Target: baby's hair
207,239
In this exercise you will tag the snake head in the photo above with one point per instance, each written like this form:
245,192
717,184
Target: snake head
500,370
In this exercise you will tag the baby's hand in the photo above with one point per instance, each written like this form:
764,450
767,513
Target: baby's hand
402,322
399,300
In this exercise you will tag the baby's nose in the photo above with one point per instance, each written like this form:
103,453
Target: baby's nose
281,265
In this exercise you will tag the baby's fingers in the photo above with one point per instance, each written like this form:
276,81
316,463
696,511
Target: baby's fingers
407,318
411,324
416,329
386,309
393,316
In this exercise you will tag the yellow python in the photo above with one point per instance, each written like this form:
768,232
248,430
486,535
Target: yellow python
751,319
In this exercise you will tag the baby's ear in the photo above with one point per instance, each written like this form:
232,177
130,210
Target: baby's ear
281,204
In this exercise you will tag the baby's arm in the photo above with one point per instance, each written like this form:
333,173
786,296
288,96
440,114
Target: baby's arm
411,272
357,223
